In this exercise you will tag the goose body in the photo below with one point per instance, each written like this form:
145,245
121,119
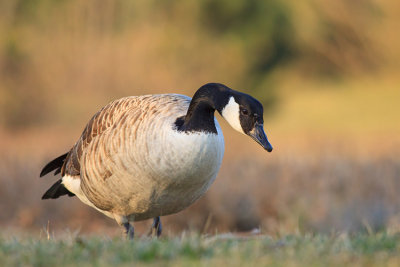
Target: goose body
142,157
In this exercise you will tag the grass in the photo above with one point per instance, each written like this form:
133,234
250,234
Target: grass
377,249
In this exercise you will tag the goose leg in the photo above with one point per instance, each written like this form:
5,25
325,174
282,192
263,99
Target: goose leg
129,230
156,227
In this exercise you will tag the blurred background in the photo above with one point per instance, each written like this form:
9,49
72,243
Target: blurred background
327,72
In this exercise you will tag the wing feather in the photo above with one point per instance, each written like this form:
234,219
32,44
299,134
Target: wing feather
113,116
98,124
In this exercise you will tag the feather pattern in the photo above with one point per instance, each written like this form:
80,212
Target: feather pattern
132,161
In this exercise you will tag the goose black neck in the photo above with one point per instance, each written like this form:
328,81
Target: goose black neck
200,115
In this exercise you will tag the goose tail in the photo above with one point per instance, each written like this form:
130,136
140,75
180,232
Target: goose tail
56,164
57,189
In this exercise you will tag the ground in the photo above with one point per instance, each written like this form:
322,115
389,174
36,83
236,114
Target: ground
362,249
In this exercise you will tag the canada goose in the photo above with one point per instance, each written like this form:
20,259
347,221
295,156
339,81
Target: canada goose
143,157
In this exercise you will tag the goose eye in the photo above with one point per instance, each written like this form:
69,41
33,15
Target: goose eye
244,111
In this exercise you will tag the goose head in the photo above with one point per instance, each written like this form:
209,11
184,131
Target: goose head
242,111
245,114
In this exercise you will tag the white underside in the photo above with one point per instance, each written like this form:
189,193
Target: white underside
73,184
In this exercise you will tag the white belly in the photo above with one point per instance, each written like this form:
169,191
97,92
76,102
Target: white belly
187,172
177,175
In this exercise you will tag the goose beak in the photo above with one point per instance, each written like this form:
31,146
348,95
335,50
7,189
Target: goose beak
260,137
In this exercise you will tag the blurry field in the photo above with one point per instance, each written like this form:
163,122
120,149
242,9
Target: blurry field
381,249
327,73
335,169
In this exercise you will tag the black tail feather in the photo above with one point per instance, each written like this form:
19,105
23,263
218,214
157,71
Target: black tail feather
55,164
57,171
57,190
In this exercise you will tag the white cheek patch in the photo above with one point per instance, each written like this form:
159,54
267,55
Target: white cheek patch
231,114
